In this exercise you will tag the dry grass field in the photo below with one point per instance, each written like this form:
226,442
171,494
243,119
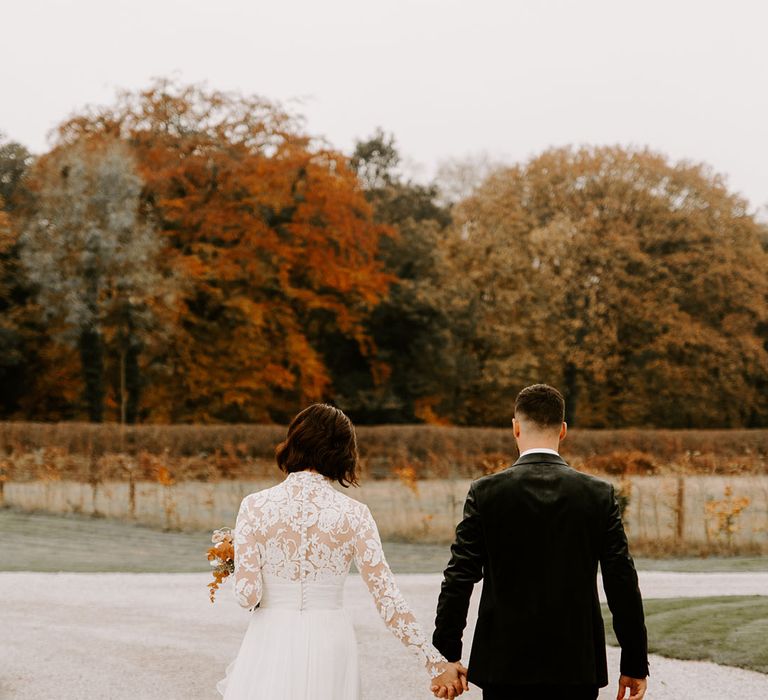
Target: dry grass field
104,452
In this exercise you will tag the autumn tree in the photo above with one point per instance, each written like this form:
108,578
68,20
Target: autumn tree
94,261
18,337
9,355
15,160
410,325
492,309
274,236
764,234
210,261
636,284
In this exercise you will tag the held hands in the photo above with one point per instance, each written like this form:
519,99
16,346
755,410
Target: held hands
635,686
452,682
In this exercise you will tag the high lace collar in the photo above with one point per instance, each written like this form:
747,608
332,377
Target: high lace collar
307,476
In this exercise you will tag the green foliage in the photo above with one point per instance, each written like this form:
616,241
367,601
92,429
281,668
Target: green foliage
18,335
15,161
410,327
375,160
93,259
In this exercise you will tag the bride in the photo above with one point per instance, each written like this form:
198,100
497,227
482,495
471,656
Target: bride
294,544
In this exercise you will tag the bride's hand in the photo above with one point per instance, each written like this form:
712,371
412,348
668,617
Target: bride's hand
451,682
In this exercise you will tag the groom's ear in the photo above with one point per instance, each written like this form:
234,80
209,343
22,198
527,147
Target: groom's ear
516,427
563,431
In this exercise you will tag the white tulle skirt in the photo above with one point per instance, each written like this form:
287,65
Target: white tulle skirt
299,645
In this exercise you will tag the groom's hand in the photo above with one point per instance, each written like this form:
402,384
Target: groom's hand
452,682
635,686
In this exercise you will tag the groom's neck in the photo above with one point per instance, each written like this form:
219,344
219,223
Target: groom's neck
538,442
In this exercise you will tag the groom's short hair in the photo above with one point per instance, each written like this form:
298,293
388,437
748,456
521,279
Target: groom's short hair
541,404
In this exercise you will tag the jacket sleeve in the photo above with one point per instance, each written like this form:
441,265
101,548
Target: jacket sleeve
464,570
623,594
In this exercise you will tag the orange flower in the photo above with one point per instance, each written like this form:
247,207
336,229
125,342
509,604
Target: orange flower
222,558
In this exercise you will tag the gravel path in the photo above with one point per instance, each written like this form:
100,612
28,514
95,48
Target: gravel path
155,637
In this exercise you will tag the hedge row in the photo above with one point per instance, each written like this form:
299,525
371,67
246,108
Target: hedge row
178,452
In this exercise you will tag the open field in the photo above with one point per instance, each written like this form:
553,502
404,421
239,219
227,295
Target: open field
729,630
156,637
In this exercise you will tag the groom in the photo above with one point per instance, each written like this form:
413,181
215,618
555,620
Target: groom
535,534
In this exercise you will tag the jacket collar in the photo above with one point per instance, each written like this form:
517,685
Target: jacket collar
540,458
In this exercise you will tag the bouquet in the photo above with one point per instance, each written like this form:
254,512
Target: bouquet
221,557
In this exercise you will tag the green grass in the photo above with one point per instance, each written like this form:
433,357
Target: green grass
727,630
45,542
42,542
704,565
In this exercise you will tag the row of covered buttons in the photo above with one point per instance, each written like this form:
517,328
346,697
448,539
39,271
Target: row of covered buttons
303,563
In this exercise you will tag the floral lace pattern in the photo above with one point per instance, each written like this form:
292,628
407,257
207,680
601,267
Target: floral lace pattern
304,530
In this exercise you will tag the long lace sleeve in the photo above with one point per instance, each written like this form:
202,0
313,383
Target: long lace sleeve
247,576
393,608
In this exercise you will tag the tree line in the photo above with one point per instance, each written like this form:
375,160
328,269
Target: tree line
188,255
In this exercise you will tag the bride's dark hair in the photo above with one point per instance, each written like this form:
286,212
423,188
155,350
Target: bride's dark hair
322,438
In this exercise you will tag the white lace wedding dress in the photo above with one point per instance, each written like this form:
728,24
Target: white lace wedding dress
294,544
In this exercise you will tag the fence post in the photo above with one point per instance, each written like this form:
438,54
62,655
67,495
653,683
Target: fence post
93,480
680,510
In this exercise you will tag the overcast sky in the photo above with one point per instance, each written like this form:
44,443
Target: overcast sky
449,78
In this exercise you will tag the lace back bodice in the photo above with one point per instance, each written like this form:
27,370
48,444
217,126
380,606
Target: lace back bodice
305,533
277,593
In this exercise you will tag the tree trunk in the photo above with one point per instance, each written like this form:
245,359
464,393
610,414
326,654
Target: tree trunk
133,382
123,397
571,391
92,362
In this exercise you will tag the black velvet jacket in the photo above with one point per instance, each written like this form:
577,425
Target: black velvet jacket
535,534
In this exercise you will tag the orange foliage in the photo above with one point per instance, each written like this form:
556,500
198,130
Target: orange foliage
628,462
274,236
163,476
424,410
408,476
725,514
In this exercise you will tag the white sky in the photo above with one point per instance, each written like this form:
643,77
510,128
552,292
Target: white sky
450,78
